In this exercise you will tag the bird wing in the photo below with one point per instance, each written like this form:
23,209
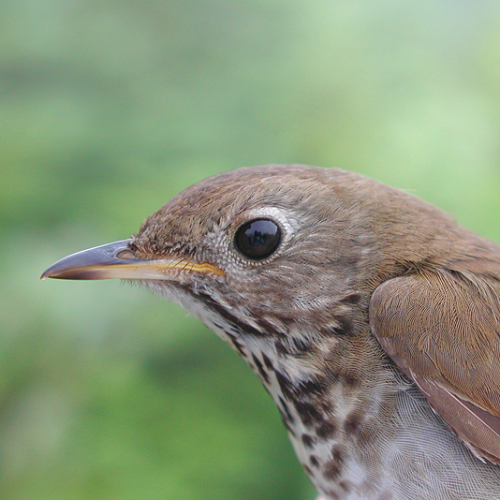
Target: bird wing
442,329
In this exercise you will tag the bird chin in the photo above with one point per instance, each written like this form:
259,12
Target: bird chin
165,289
171,291
194,305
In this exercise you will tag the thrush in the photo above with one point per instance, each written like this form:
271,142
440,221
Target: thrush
371,317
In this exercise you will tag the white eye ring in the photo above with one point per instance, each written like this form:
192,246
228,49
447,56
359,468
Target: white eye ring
288,225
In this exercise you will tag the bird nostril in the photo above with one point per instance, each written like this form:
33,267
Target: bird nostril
125,254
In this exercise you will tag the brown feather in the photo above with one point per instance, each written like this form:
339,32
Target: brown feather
442,330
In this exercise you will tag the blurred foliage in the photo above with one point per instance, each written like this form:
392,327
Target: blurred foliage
109,108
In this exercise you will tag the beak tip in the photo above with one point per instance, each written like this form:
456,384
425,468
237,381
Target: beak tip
45,275
48,273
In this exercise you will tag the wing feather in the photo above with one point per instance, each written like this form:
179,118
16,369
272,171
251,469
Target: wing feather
443,330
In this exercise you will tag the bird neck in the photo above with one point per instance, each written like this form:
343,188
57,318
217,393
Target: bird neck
337,418
361,430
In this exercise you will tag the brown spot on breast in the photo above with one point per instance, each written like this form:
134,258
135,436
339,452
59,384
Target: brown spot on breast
332,470
260,368
288,427
268,327
326,407
281,348
308,412
351,380
285,411
338,455
326,430
345,485
352,422
267,362
285,385
316,386
236,343
352,298
301,346
307,440
334,467
344,327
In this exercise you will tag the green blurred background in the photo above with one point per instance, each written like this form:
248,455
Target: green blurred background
109,108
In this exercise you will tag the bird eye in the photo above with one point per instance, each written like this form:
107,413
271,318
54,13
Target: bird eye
257,239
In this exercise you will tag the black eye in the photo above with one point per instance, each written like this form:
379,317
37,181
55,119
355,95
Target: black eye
258,238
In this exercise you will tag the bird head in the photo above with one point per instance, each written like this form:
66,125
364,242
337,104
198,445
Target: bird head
277,244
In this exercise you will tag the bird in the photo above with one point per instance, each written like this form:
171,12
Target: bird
371,317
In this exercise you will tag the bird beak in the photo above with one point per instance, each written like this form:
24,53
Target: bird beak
117,260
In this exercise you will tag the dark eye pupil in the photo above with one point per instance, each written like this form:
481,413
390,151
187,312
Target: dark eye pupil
258,238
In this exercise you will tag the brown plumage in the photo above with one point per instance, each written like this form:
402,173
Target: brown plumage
344,296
